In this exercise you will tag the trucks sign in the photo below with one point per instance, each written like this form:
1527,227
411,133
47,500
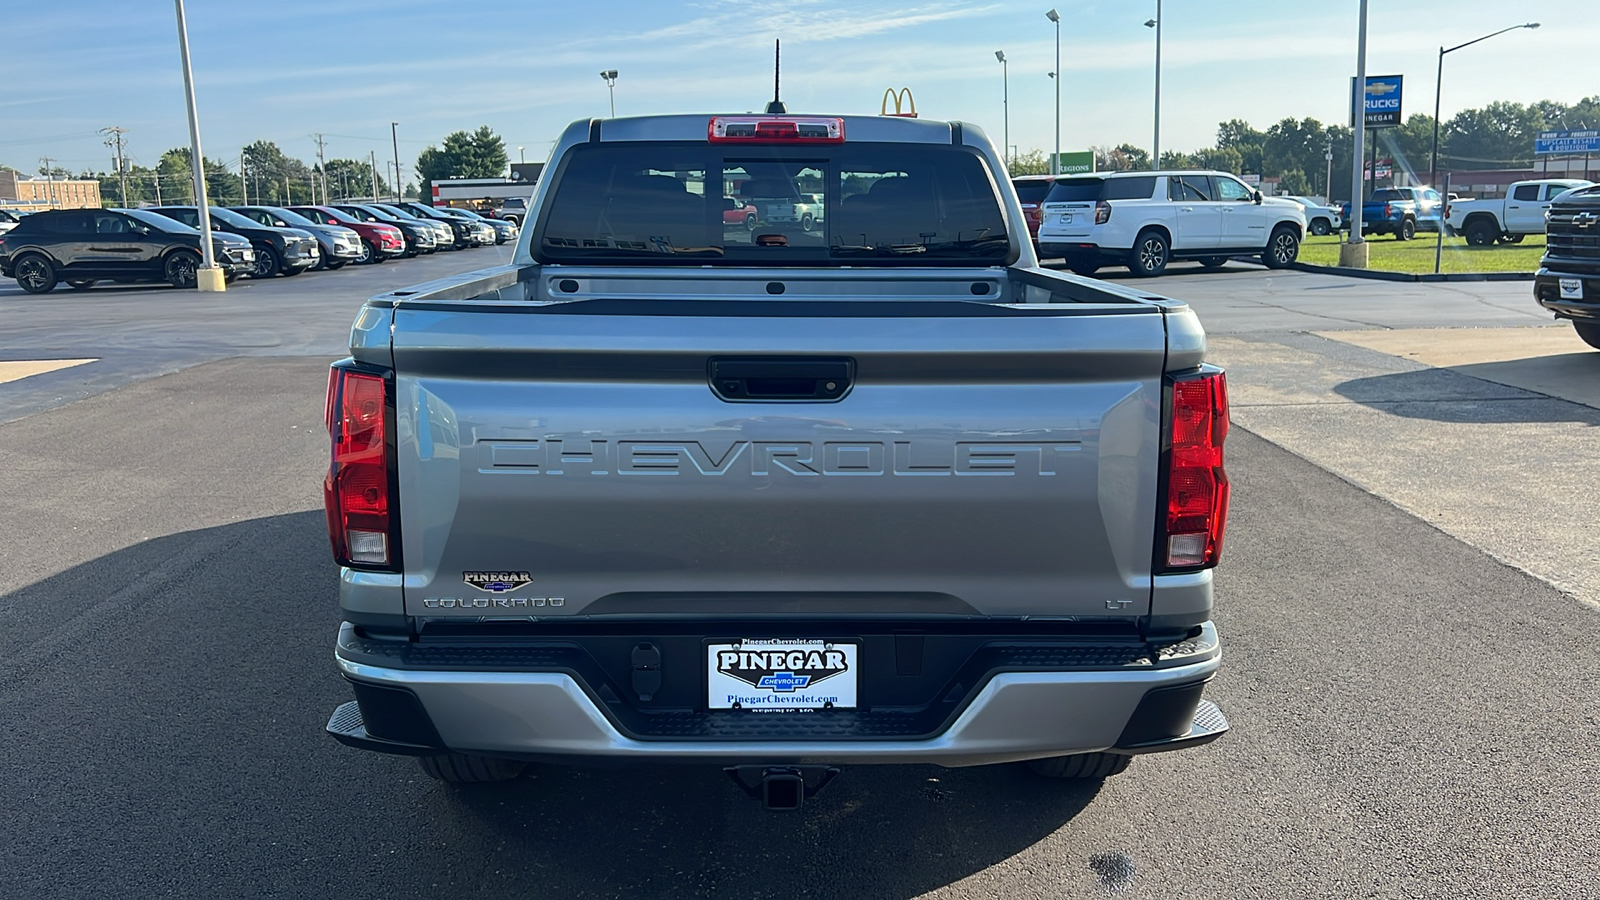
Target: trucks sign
1564,143
1381,101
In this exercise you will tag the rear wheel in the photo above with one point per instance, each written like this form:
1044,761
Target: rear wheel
750,222
1589,332
469,768
1213,262
807,222
1406,231
1511,238
1150,254
1283,248
80,284
1082,766
1320,227
181,268
1482,233
35,274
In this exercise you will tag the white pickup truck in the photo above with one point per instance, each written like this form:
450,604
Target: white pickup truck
1510,218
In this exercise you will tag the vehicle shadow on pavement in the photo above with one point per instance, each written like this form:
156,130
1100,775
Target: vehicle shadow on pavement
1446,395
164,707
876,832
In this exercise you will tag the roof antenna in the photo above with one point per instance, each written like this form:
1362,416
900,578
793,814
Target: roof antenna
776,107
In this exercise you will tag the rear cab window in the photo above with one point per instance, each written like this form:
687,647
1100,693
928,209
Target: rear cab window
853,204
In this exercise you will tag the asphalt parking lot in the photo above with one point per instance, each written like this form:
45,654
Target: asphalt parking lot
1410,602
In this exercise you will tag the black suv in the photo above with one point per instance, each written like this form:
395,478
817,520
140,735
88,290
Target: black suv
288,251
1568,280
82,246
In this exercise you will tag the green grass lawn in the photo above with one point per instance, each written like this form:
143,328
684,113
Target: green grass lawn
1416,255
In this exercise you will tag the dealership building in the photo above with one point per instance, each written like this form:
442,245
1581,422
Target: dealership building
18,191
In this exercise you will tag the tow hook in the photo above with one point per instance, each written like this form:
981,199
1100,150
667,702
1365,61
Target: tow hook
782,787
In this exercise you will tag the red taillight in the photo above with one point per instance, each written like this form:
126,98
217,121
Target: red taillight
775,130
1388,211
356,491
1102,212
1197,486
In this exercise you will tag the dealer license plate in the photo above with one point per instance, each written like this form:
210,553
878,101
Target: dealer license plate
781,674
1571,289
1066,219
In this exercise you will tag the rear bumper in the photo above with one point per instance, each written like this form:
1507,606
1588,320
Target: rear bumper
560,715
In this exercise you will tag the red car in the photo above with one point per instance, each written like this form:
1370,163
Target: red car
378,240
1030,191
738,212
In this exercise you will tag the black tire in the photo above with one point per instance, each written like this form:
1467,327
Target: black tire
181,268
333,264
80,284
1511,238
1589,333
1482,233
290,273
1213,262
1150,255
469,768
1406,231
807,222
230,277
267,262
750,222
1320,227
1283,248
369,253
1081,766
35,274
1087,270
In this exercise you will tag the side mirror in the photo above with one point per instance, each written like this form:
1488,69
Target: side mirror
1256,195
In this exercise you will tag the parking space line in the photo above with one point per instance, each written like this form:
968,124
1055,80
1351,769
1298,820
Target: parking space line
15,369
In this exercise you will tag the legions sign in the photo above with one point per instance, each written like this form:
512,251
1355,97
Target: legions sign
1381,100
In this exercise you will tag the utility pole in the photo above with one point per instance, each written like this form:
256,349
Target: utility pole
1055,161
394,136
372,169
114,140
322,166
50,181
244,183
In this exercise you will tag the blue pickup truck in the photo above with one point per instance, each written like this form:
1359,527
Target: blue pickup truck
1401,211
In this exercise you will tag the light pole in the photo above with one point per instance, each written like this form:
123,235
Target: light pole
610,77
394,137
208,277
520,157
1005,95
1353,253
1433,165
1055,161
1155,153
1327,185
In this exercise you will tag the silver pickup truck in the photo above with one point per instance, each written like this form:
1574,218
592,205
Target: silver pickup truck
669,489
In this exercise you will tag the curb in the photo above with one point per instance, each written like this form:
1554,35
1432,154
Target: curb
1381,275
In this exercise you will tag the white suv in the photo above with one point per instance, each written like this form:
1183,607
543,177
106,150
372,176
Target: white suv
1143,220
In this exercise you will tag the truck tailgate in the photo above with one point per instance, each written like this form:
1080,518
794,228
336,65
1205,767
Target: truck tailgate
557,462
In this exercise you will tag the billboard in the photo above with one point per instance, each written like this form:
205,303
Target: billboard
1077,162
1381,100
1565,143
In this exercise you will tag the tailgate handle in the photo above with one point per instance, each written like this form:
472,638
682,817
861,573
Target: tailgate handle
792,379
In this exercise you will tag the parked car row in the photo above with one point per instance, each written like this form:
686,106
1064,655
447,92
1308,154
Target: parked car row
82,247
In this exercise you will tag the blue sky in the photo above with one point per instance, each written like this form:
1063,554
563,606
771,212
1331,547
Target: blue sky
347,68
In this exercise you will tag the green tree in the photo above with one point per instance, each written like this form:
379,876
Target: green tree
1499,135
1034,162
353,178
1121,158
479,154
276,179
1173,159
1236,134
177,173
1223,159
